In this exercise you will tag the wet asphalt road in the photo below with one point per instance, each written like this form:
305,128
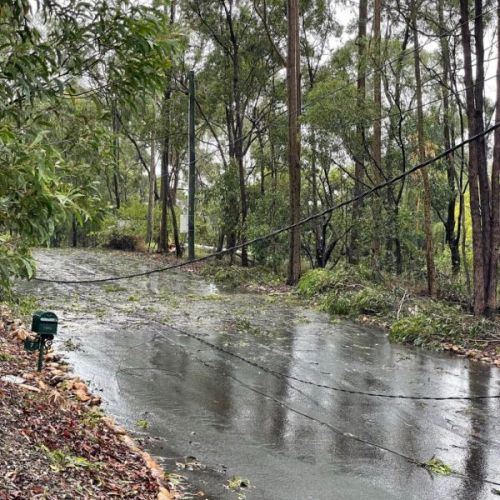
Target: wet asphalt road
213,416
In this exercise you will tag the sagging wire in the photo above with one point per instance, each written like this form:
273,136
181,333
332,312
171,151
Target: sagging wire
284,229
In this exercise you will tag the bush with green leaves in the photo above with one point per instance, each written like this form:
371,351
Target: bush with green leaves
373,300
337,304
431,322
315,282
342,278
33,200
234,276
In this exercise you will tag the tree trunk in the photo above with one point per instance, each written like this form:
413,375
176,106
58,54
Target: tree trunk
172,196
237,148
359,167
74,232
429,251
475,158
164,182
377,130
491,301
293,69
452,232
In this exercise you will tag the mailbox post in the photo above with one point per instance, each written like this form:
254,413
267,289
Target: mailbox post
44,324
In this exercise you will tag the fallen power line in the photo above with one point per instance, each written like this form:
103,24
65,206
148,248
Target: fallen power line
284,229
325,386
345,434
285,376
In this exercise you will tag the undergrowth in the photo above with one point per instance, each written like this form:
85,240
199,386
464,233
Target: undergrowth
357,293
234,276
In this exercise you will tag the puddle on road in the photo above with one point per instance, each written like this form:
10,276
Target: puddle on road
212,416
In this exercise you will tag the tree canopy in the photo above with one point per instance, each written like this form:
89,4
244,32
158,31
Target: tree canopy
94,99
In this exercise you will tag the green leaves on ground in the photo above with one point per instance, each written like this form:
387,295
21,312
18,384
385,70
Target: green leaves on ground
437,466
62,460
142,424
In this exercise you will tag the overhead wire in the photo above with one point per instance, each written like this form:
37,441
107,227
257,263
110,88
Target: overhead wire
326,386
348,435
309,103
297,379
283,229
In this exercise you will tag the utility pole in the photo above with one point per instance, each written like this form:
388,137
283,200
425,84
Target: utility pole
116,154
293,85
192,167
152,182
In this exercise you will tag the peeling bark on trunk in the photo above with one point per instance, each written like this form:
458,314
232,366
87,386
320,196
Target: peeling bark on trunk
116,156
491,302
164,182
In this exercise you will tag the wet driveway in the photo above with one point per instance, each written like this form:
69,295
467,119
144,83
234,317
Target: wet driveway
238,384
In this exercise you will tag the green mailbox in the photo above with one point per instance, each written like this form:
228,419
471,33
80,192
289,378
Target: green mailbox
45,324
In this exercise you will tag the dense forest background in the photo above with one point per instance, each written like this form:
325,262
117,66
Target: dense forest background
300,106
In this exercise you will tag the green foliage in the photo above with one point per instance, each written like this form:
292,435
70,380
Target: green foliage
142,424
342,278
125,229
413,330
237,482
345,291
23,306
33,200
337,304
234,276
315,282
47,179
268,212
373,300
61,460
429,323
438,467
93,418
349,291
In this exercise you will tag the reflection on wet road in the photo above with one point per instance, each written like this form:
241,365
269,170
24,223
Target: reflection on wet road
290,439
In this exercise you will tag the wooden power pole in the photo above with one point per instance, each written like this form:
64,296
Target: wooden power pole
293,85
192,167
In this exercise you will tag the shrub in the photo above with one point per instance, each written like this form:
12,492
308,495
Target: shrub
435,322
315,282
337,304
342,278
412,330
125,241
233,276
371,300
